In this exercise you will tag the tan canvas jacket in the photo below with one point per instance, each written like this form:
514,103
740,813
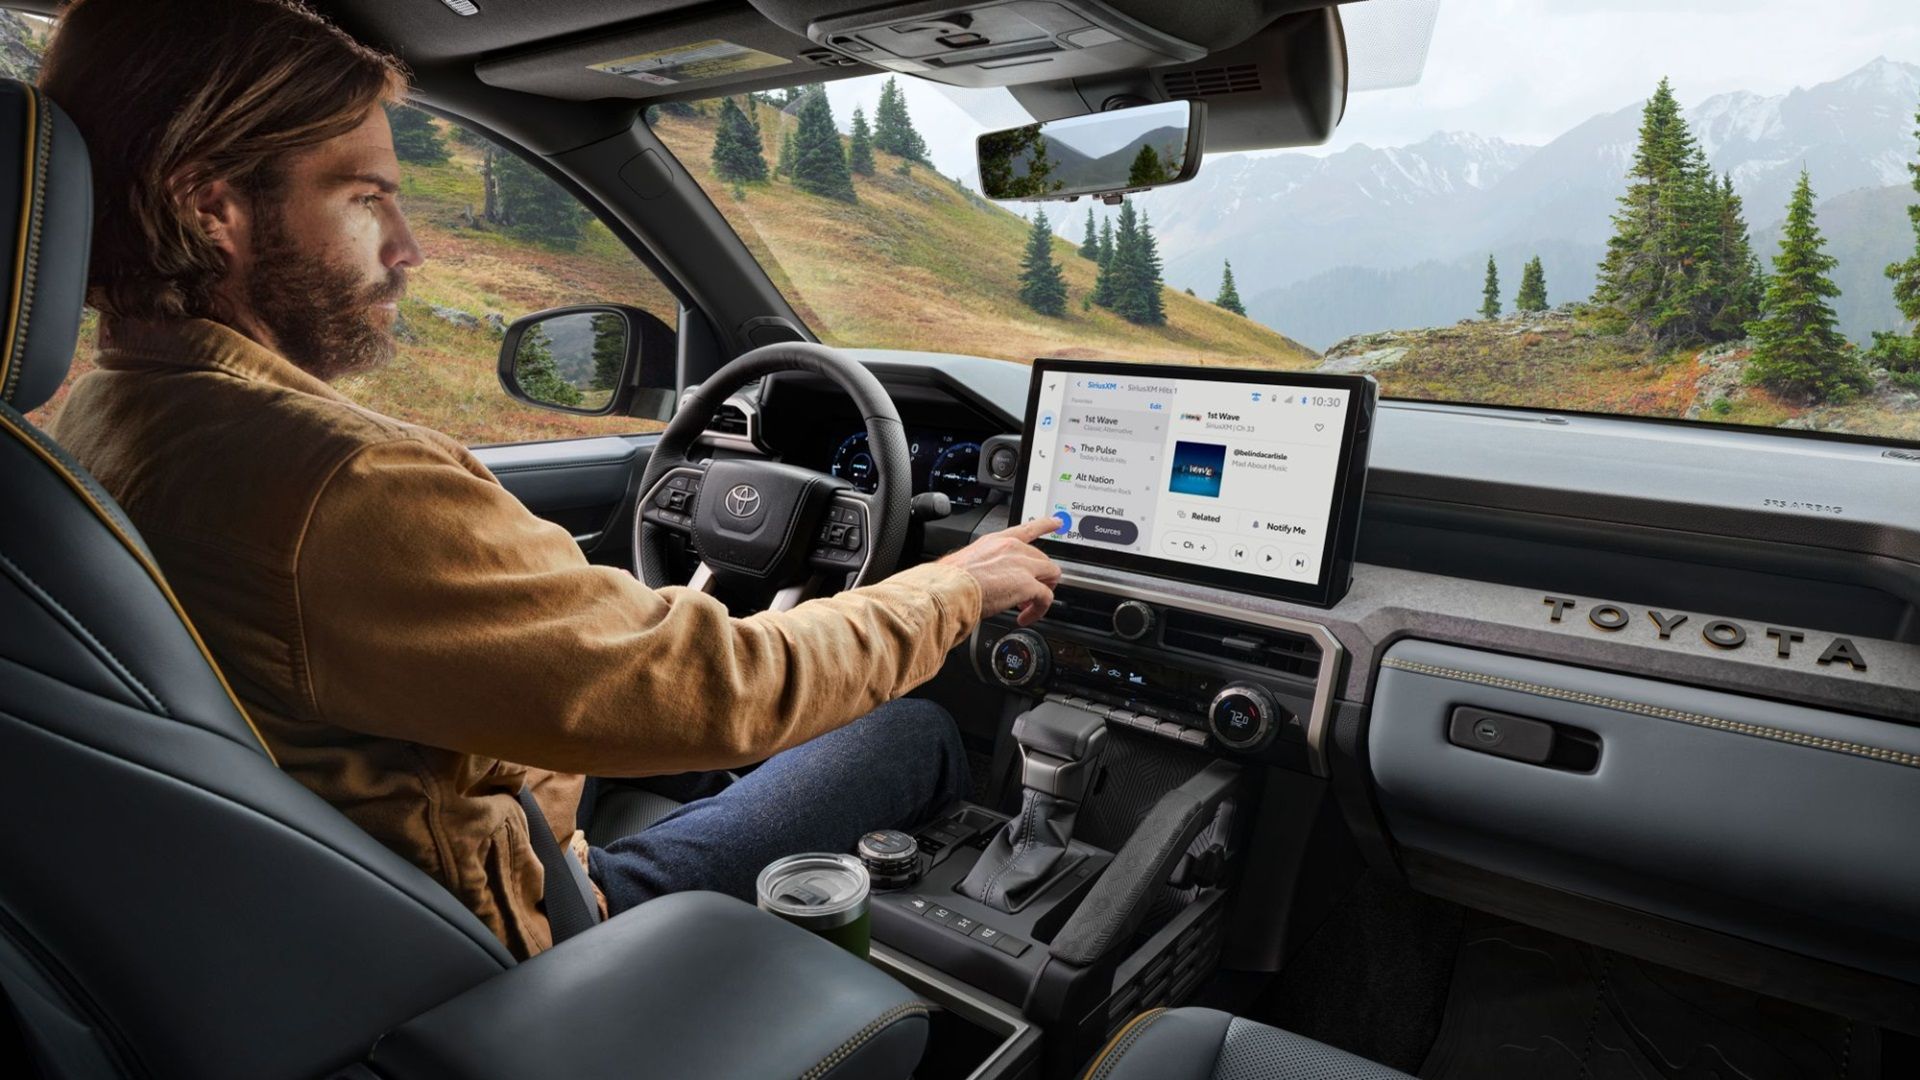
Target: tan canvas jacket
414,645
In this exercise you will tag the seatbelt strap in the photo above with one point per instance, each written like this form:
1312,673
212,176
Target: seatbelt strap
569,899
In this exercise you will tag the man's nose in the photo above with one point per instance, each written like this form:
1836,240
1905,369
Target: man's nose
402,251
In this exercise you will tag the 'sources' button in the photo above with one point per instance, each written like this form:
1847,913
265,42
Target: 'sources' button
1109,530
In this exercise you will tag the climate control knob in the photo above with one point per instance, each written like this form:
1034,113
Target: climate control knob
1021,659
1132,620
1244,717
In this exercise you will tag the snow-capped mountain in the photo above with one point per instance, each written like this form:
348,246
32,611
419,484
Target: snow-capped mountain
1341,206
1382,229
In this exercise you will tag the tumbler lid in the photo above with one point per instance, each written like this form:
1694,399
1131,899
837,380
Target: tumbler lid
818,891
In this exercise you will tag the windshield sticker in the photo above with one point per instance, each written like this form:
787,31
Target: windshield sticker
690,63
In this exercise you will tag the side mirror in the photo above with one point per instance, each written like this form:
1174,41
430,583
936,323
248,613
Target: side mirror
1105,153
592,360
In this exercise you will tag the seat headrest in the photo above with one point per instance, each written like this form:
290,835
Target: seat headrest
46,228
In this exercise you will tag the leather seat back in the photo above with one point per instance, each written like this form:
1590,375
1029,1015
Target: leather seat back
171,904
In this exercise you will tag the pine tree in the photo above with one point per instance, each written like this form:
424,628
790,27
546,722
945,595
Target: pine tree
1146,169
785,165
1133,274
1114,287
893,128
1103,284
415,139
1906,275
1797,349
1659,268
1490,292
609,350
1090,239
538,375
1229,297
535,207
860,147
1149,283
1901,352
1533,287
1042,287
736,147
819,161
1741,281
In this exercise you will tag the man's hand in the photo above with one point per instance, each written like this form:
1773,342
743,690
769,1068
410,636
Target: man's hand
1010,570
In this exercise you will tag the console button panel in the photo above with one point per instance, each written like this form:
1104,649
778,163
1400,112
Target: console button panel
1173,667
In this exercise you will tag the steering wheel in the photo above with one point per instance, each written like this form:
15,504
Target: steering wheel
764,529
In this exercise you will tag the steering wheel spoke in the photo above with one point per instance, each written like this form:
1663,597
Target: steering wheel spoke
670,501
843,542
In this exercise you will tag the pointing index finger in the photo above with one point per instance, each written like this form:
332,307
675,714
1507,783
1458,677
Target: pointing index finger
1030,531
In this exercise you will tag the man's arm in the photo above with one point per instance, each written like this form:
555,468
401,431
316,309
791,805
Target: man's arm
433,607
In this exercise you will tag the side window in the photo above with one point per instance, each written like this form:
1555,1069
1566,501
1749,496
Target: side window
501,240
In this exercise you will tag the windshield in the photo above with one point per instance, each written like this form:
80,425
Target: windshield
1708,214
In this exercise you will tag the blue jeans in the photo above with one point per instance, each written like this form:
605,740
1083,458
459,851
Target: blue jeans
891,769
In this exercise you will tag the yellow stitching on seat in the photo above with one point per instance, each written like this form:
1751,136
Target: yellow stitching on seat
846,1049
1817,742
1127,1033
146,564
27,156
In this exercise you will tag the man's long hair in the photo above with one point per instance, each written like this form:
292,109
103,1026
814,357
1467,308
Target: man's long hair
174,95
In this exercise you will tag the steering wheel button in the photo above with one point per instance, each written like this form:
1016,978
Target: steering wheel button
853,538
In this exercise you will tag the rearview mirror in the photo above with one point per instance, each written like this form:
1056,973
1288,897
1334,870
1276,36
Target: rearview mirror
1107,153
592,360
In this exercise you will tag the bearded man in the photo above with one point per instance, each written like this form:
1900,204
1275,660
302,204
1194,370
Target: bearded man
411,642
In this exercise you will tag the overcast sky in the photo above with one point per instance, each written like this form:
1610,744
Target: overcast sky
1524,70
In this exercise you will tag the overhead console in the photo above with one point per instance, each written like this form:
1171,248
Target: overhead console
998,42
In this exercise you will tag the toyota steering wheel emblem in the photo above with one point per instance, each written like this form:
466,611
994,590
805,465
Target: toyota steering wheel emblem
743,500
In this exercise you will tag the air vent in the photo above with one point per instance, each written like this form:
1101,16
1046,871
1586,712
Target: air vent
729,420
1083,608
1223,639
1197,83
1901,455
828,58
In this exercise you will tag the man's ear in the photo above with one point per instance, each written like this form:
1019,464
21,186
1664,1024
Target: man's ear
222,214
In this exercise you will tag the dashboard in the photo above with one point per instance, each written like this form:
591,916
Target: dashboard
1577,652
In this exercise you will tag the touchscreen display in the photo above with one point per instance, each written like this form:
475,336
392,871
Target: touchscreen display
1236,472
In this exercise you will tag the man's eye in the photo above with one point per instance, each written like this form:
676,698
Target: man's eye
371,200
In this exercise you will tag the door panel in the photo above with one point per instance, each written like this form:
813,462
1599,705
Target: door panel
583,485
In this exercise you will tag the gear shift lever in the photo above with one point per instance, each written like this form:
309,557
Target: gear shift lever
1060,749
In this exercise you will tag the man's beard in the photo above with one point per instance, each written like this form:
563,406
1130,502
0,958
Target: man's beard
322,316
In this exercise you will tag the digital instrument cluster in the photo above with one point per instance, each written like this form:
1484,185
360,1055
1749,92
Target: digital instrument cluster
944,461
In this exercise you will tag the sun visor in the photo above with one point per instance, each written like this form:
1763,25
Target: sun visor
715,52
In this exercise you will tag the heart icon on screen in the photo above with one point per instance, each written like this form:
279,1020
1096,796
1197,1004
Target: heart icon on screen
1319,427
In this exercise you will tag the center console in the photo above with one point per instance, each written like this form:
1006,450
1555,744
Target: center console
1143,723
1146,722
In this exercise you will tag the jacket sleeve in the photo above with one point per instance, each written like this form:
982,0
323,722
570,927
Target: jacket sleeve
433,607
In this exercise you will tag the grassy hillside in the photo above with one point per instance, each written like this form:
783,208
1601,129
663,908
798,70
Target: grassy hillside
922,263
1566,359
